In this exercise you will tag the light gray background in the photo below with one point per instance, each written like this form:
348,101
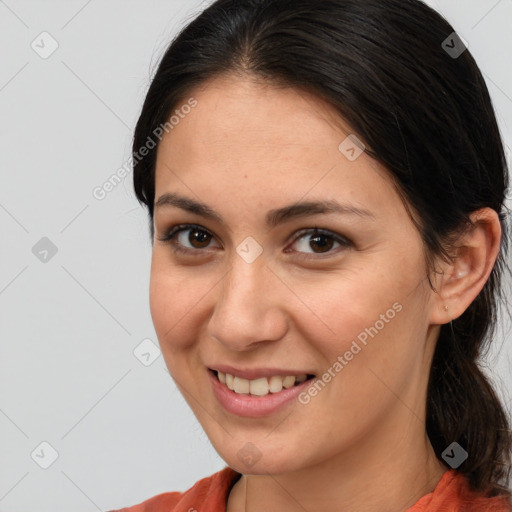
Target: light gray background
69,326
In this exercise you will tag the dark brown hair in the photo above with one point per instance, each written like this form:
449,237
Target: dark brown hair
423,113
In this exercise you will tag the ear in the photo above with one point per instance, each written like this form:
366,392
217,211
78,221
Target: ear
462,279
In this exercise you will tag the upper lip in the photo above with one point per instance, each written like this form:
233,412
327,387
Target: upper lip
256,373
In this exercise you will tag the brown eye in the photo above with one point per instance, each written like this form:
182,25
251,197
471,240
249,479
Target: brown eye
322,242
198,239
317,241
188,238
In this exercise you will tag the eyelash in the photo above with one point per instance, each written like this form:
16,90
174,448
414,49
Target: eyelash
170,236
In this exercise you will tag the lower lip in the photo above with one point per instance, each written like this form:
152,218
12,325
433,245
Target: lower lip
254,406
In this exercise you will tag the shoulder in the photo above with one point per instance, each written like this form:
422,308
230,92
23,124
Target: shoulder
209,493
453,494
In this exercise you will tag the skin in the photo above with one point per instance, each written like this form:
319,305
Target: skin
247,148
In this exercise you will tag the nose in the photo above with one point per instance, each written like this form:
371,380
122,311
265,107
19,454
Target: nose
249,308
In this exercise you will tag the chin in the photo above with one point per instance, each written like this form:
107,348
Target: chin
253,457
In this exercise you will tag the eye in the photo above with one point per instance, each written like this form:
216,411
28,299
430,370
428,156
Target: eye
320,241
192,238
187,238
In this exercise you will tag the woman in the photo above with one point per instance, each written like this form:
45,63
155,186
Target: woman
326,200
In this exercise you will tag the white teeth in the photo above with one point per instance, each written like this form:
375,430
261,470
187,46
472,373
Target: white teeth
241,386
276,384
261,386
288,381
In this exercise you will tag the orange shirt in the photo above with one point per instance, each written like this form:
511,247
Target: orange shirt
452,494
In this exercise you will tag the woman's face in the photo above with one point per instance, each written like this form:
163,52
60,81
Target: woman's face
251,290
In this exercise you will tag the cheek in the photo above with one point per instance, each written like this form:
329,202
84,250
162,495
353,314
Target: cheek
345,304
372,315
175,301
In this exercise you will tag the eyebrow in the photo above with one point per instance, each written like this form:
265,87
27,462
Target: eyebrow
273,217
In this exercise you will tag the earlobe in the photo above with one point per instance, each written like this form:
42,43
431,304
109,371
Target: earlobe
463,278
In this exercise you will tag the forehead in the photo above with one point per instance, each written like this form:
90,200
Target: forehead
250,136
268,113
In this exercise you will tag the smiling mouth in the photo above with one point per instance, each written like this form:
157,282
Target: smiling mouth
262,386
